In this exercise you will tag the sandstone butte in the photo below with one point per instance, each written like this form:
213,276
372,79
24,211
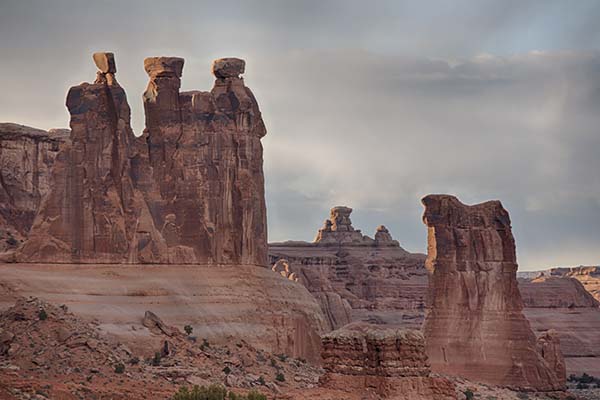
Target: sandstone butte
186,198
355,277
390,363
189,191
357,281
475,326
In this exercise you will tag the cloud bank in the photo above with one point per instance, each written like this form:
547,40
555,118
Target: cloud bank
371,107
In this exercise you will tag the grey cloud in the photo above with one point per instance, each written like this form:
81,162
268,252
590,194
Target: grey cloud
370,106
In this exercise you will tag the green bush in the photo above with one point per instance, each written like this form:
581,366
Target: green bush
280,377
469,394
120,368
214,392
188,329
227,370
42,315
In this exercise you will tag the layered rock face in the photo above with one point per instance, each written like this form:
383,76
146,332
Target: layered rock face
206,157
26,158
475,327
589,276
189,191
93,212
355,277
564,306
391,363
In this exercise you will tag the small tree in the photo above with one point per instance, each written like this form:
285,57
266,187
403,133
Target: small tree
120,368
188,329
42,315
227,370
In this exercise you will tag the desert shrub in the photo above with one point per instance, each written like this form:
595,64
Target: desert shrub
188,329
261,380
280,377
469,394
282,357
11,241
582,385
120,368
214,392
134,360
273,362
205,345
227,370
254,395
157,359
42,315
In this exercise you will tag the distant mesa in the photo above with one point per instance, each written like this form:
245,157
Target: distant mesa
337,230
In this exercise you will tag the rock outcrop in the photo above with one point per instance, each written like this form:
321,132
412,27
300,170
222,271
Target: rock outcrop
589,276
189,191
93,212
548,345
563,305
355,277
26,158
391,363
475,327
206,157
554,292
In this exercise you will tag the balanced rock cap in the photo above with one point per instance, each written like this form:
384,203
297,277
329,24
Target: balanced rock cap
164,66
105,62
228,67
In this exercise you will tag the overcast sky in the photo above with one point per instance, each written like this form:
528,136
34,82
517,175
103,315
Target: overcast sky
368,104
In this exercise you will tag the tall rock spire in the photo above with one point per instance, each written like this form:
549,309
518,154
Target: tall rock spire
475,327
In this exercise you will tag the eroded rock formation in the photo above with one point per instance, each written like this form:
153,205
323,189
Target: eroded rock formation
355,277
93,212
475,325
548,345
206,157
589,276
26,158
391,363
189,191
563,305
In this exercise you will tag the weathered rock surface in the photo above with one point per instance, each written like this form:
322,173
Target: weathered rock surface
589,276
548,345
563,305
189,191
223,304
554,292
356,278
26,158
391,363
475,325
206,156
93,212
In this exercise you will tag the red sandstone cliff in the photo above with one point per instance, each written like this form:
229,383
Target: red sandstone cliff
26,159
189,191
355,277
475,325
